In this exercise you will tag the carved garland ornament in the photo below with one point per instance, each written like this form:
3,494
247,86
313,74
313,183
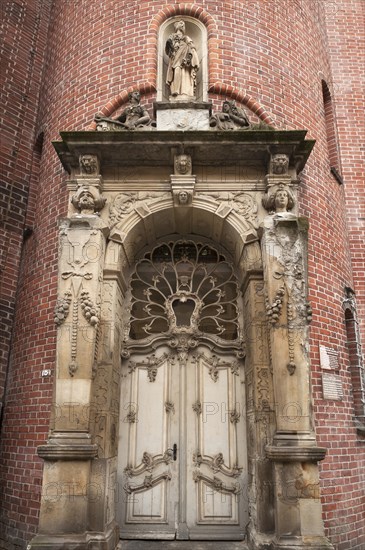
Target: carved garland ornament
62,308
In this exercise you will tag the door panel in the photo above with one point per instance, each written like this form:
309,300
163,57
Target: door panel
147,479
196,402
216,479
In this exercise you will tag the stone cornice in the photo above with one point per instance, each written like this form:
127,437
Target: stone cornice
295,453
157,147
67,452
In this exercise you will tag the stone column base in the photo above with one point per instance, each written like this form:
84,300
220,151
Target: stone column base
87,541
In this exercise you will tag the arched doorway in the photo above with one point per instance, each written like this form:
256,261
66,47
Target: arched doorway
182,454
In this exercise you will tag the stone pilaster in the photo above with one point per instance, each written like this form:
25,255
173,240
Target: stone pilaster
298,515
70,492
259,398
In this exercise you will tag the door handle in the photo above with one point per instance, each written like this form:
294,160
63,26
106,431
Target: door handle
173,451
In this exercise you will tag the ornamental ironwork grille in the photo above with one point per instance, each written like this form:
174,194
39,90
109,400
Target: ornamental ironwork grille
184,287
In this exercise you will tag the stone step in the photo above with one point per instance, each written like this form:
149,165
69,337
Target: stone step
180,545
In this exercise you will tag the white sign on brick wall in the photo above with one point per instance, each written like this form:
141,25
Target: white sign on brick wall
328,358
332,386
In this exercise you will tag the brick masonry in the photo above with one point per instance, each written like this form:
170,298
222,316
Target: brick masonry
63,62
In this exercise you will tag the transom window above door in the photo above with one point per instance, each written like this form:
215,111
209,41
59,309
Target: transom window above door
184,287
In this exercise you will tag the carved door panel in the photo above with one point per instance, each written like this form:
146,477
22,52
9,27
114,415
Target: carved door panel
216,448
196,489
148,473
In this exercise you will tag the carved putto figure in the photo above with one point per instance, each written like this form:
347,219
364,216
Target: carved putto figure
230,118
133,117
279,200
183,64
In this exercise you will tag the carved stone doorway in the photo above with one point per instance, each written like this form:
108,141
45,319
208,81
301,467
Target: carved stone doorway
182,456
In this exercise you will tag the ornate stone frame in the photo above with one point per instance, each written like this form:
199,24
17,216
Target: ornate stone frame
96,255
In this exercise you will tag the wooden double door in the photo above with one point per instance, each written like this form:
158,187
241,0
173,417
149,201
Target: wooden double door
182,464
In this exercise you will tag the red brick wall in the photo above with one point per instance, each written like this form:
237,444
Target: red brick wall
25,29
272,55
343,472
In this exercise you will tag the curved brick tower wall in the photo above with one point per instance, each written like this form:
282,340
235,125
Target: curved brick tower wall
272,56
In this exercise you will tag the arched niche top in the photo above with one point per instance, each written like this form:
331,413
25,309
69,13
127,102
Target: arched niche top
197,31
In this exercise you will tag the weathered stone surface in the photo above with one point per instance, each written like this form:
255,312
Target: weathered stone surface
183,119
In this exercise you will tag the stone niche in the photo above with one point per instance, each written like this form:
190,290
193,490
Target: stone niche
197,33
129,190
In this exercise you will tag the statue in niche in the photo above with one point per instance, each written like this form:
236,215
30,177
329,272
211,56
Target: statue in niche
230,118
87,200
279,200
133,117
183,64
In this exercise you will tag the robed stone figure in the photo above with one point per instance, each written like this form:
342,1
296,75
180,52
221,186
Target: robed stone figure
183,63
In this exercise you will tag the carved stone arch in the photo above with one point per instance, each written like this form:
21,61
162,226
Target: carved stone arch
197,31
206,217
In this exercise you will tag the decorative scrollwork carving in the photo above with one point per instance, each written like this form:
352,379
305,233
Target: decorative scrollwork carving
184,290
235,368
169,407
183,344
151,364
149,463
197,407
234,416
241,203
131,417
216,464
148,483
216,483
